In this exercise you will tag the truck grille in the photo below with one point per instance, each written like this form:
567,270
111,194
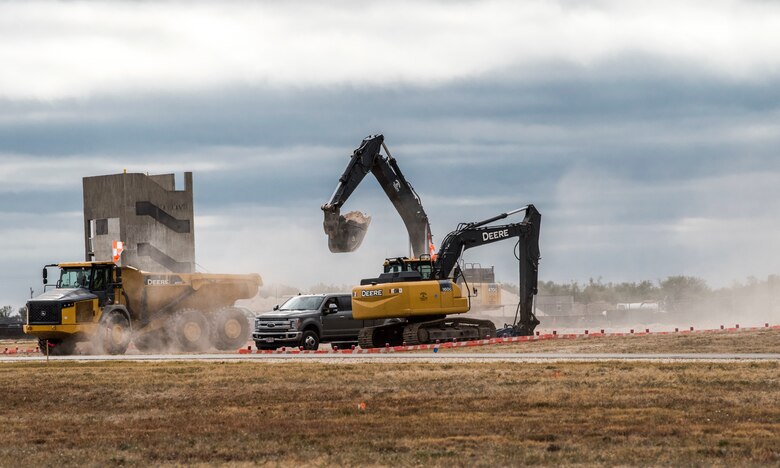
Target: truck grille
272,325
44,313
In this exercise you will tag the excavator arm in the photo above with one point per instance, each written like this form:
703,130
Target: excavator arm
346,232
526,232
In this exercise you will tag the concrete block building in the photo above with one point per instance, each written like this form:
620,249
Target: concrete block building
148,213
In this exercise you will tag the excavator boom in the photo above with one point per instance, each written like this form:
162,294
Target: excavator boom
526,232
346,232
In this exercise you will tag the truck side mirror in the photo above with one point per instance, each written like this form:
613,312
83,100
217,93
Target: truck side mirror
332,308
45,276
276,307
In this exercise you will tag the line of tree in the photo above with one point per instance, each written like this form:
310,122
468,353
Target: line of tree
7,314
672,289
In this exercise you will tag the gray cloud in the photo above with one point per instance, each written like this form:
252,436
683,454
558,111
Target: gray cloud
56,50
644,164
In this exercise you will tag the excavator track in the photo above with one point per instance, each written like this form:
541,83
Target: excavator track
376,337
429,332
366,337
412,333
448,329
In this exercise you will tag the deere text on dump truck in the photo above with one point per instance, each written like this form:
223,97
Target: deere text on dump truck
111,306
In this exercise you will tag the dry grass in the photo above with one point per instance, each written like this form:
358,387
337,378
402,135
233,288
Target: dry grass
432,414
763,341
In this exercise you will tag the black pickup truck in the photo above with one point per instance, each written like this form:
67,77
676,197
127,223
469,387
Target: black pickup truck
307,321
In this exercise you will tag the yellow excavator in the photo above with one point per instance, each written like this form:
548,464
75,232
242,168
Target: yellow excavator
419,295
416,295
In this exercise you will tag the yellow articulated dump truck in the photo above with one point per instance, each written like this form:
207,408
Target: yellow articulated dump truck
111,305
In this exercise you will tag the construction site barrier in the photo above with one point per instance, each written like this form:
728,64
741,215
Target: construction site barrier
20,351
554,335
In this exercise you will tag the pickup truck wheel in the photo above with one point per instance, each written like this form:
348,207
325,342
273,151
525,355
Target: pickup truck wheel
310,341
63,347
229,329
114,333
189,330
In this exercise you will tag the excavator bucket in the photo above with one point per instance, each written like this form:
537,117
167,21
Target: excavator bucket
345,232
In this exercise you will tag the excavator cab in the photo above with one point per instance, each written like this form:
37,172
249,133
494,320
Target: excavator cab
422,265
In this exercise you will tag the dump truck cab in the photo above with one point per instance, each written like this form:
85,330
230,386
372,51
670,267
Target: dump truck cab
77,304
93,278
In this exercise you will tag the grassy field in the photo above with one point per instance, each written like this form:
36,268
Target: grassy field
763,341
431,414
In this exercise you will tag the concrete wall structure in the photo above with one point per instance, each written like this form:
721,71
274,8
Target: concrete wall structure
147,213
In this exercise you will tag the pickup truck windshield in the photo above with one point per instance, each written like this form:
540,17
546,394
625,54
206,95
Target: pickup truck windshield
303,303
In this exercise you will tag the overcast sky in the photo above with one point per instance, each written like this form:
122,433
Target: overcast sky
647,133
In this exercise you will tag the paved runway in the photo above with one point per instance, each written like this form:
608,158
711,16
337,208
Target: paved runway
411,357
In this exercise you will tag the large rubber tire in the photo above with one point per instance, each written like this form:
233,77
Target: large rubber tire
229,329
115,333
64,347
154,341
189,330
310,340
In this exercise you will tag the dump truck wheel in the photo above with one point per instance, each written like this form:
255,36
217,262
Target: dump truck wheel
115,333
189,330
64,347
229,329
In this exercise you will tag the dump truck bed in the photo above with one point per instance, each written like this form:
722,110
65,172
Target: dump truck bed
150,293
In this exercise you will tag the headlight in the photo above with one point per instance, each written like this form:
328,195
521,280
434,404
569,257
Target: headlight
294,324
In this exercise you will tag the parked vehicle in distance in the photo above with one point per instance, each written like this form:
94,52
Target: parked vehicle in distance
308,320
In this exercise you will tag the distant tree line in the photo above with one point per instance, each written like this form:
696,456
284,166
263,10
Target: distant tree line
7,314
673,289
